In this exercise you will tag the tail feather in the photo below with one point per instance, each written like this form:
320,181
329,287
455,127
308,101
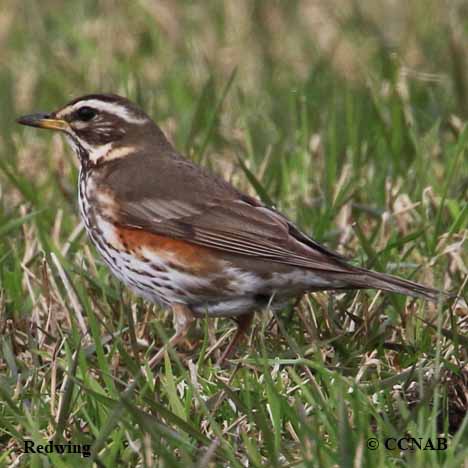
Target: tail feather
390,283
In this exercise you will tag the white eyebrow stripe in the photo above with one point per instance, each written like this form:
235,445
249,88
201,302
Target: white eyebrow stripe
111,107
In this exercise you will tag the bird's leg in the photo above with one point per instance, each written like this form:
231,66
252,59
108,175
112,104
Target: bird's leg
243,323
183,319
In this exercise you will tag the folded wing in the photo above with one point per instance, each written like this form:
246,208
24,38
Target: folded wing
233,226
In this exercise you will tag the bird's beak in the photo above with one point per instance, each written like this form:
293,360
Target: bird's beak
43,121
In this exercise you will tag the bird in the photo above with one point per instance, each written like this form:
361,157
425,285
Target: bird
185,238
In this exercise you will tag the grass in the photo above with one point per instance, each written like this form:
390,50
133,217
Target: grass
350,118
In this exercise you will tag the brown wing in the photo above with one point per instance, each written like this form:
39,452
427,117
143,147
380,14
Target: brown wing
232,226
180,200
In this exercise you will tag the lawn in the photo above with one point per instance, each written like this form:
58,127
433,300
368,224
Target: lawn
349,117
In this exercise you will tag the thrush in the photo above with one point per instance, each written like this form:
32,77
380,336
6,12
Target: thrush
185,238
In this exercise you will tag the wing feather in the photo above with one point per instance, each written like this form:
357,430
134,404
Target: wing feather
232,226
176,198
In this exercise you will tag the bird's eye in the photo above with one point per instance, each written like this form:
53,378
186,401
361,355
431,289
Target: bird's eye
85,113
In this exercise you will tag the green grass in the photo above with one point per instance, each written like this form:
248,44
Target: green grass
350,118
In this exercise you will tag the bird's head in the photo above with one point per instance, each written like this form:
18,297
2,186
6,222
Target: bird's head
99,127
